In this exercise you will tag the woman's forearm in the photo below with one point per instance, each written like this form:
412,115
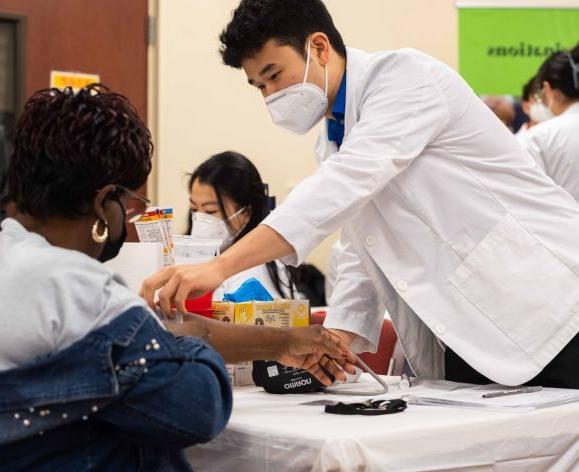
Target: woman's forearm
312,348
235,343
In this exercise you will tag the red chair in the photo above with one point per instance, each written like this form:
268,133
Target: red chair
379,360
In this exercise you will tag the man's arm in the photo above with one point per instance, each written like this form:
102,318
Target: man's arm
356,310
402,113
180,282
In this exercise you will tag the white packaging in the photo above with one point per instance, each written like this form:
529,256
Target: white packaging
136,262
156,226
189,250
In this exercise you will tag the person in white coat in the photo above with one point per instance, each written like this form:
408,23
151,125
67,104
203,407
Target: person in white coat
555,143
446,221
533,107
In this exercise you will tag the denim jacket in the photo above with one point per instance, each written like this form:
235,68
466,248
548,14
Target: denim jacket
128,396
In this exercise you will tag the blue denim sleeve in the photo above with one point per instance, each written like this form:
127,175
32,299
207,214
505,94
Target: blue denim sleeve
175,391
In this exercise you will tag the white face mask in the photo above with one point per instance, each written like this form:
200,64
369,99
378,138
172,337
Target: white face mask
299,107
540,112
205,226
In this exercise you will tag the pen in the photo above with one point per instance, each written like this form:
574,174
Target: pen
515,391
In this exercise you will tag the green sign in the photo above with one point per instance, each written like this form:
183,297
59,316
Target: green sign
500,49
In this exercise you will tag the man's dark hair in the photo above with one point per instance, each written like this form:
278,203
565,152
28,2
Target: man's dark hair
289,22
557,70
68,145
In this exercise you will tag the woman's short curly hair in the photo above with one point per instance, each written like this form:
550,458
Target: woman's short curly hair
69,145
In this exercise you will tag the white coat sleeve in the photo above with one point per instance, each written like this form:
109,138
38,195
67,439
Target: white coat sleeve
355,305
533,144
400,112
332,270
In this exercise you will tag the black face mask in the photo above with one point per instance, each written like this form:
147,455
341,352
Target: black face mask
112,248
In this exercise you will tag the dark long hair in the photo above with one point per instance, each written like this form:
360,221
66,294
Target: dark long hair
558,71
233,175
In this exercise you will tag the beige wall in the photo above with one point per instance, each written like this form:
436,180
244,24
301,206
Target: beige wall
205,107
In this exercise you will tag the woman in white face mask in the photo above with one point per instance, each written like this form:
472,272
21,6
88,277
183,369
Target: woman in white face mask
228,199
554,143
533,107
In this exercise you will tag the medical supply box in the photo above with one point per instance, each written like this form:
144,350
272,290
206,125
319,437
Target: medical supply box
276,313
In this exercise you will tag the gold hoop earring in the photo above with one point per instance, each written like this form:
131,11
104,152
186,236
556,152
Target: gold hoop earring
99,238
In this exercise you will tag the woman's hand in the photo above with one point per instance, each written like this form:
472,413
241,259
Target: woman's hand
180,282
319,351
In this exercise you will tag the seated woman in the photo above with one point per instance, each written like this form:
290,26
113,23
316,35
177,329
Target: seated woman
228,199
90,379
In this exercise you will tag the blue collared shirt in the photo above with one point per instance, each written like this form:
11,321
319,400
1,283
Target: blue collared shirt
336,126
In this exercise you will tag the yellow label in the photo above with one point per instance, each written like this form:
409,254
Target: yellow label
244,313
76,80
300,313
224,311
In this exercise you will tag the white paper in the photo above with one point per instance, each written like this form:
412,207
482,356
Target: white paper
136,262
189,250
471,397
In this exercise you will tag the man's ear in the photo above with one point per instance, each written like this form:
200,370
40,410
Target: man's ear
101,199
321,44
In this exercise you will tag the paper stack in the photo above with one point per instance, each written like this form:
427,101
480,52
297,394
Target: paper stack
472,397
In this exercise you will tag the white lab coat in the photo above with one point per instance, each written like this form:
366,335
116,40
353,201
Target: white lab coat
555,146
447,223
521,135
332,270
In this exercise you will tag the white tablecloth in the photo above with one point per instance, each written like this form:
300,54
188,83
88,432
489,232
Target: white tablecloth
275,433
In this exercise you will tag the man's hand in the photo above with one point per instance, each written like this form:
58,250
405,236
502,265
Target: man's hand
346,336
318,351
177,283
180,282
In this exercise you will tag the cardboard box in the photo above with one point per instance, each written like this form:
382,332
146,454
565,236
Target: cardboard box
243,374
223,311
277,314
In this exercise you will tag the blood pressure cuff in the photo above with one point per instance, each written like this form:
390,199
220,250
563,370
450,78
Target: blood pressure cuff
277,378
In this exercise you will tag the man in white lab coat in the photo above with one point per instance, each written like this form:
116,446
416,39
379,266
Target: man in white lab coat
447,223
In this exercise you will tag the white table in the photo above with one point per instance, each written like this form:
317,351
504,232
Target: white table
275,433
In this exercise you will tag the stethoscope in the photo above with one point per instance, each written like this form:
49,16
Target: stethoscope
344,389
